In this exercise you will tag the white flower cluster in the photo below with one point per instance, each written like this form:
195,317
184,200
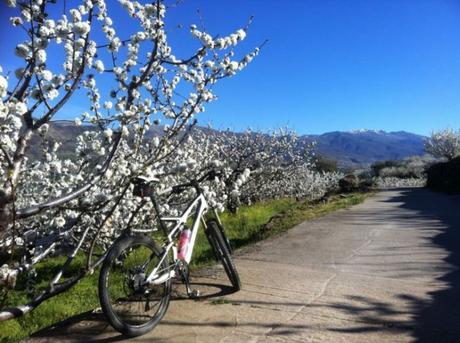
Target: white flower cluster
11,112
8,276
3,86
99,66
219,43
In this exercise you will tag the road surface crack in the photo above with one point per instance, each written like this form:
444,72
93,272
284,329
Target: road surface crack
320,294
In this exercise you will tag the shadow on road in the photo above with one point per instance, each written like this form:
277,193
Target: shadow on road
84,326
435,318
438,320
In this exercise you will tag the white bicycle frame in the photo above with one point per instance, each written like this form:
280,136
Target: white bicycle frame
200,206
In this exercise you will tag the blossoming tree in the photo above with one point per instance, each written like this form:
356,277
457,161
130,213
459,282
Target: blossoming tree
255,166
444,144
64,204
57,203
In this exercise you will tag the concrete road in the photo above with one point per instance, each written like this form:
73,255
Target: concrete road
382,271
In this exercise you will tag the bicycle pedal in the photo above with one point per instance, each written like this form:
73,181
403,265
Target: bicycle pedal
194,294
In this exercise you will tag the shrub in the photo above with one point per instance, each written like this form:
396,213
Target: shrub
322,164
445,176
396,182
349,183
409,168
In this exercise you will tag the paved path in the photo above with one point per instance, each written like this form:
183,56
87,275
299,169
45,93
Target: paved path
382,271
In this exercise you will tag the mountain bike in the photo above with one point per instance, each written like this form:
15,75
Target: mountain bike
136,275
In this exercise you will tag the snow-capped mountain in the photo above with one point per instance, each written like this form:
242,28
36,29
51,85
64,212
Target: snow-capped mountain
353,149
359,148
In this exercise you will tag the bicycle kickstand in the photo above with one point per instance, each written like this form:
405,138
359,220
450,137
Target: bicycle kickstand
185,273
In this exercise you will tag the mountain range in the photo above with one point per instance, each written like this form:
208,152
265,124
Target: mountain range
352,149
360,148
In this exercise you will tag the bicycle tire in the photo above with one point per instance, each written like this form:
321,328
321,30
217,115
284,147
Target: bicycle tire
122,319
224,236
217,241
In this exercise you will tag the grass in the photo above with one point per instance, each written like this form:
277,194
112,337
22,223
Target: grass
220,301
241,228
250,224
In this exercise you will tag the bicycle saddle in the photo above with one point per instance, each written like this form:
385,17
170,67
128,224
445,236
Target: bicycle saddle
143,185
146,179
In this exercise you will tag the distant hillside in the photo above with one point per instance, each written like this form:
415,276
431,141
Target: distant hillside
362,147
64,132
354,149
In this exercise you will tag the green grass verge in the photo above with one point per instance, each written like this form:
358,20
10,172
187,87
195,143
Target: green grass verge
250,224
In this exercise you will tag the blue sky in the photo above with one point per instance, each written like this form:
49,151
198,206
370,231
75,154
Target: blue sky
329,65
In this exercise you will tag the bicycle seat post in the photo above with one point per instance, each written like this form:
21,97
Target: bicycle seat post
157,210
143,187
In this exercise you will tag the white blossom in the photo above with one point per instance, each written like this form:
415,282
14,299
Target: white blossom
76,15
81,28
22,50
8,276
44,129
233,66
3,86
108,133
44,32
99,66
15,21
20,108
59,221
47,75
40,56
241,34
52,94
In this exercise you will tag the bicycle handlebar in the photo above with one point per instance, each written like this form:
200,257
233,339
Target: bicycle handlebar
164,191
193,183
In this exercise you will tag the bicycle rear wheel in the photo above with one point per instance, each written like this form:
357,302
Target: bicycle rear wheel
217,241
131,307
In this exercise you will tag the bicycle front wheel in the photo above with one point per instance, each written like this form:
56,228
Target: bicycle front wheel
224,236
217,240
132,307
